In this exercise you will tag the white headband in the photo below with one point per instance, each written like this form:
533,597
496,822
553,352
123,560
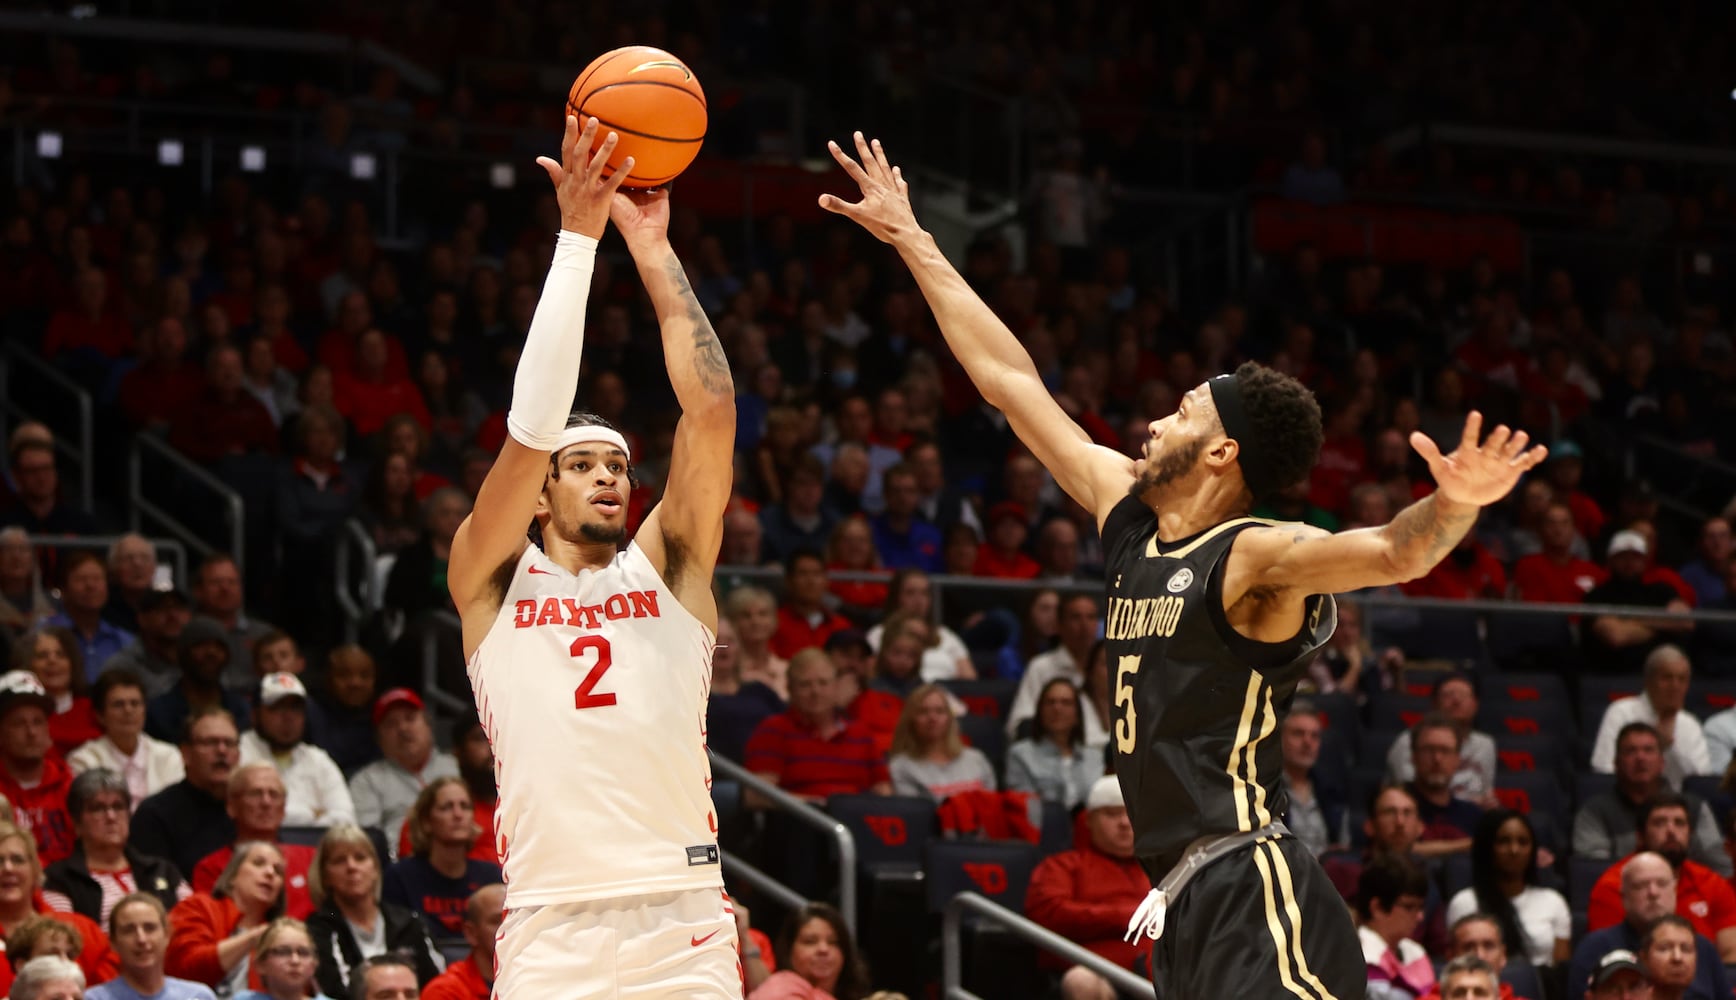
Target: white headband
592,432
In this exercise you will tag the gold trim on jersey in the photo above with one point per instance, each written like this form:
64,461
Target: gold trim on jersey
1151,546
1258,721
1275,878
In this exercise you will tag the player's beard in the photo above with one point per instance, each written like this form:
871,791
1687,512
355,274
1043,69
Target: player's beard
611,533
1167,469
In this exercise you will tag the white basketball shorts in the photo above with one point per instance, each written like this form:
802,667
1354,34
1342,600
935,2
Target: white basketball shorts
676,945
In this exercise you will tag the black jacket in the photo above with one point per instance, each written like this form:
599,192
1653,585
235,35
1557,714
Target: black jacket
338,952
182,823
71,875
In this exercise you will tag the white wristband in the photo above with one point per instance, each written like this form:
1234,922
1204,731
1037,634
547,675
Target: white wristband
548,367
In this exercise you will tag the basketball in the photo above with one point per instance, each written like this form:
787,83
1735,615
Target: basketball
652,101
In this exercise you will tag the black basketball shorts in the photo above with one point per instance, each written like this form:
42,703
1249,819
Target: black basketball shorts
1263,923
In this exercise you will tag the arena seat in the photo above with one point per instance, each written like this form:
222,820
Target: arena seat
1337,714
1541,753
1589,784
987,735
998,870
1058,830
1393,711
891,832
988,698
1524,687
1502,716
1709,696
1530,792
1373,745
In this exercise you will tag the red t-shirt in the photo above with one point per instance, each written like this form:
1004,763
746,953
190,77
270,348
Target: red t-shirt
796,632
877,712
1703,898
845,763
1540,578
1484,577
74,727
1018,566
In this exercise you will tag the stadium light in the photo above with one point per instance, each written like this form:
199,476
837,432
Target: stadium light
362,166
170,153
253,159
502,176
48,145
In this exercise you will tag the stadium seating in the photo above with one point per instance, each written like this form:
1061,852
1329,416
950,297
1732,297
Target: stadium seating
891,832
998,870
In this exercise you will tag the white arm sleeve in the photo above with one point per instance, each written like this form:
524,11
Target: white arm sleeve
548,367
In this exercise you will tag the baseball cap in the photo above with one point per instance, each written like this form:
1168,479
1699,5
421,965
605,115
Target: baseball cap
1627,541
201,629
392,699
273,688
21,687
1612,963
1105,794
1566,449
1006,509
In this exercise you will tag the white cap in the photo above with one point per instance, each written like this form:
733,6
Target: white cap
1105,794
1627,541
273,688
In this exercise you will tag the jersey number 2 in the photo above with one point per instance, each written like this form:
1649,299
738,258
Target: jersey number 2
587,696
1125,671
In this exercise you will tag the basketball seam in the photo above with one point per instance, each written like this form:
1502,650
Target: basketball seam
695,94
605,123
578,86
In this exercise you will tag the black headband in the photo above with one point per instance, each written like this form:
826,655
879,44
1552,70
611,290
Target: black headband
1256,471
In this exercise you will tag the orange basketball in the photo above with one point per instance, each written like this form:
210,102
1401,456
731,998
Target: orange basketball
652,101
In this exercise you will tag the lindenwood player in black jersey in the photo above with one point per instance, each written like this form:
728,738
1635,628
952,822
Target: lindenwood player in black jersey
1212,615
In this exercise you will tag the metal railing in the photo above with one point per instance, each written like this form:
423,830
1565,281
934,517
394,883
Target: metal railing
431,689
142,506
782,894
14,353
952,957
357,600
807,815
177,552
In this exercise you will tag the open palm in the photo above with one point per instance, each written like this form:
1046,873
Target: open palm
1480,473
885,206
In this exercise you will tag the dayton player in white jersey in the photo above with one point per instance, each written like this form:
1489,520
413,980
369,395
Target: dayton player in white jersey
591,665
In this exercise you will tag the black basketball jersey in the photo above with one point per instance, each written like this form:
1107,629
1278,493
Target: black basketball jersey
1197,704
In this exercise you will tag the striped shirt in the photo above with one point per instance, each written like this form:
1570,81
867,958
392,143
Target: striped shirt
115,887
806,763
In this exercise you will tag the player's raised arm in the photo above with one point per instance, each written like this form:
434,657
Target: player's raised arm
548,376
682,533
1308,560
1095,476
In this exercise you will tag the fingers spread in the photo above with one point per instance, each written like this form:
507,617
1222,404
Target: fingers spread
1473,430
581,149
880,157
600,159
1425,447
850,166
869,164
613,184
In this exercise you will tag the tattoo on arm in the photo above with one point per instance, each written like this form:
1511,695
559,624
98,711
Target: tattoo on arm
709,362
1424,532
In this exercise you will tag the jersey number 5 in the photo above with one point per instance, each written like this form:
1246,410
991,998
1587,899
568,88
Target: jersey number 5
1125,671
586,696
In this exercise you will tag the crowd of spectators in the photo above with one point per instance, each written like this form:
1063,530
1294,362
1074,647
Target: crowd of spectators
196,766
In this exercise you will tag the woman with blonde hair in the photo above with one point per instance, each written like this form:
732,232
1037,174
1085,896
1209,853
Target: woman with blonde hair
946,658
286,960
437,879
754,613
929,757
212,938
351,923
21,900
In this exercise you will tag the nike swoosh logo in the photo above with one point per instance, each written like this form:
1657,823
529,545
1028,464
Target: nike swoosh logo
544,572
696,942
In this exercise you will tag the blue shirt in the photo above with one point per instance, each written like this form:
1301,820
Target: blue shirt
108,640
173,989
918,548
1710,982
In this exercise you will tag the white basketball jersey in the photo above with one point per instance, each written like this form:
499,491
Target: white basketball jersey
592,689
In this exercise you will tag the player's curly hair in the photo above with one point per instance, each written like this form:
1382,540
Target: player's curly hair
582,418
1286,418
